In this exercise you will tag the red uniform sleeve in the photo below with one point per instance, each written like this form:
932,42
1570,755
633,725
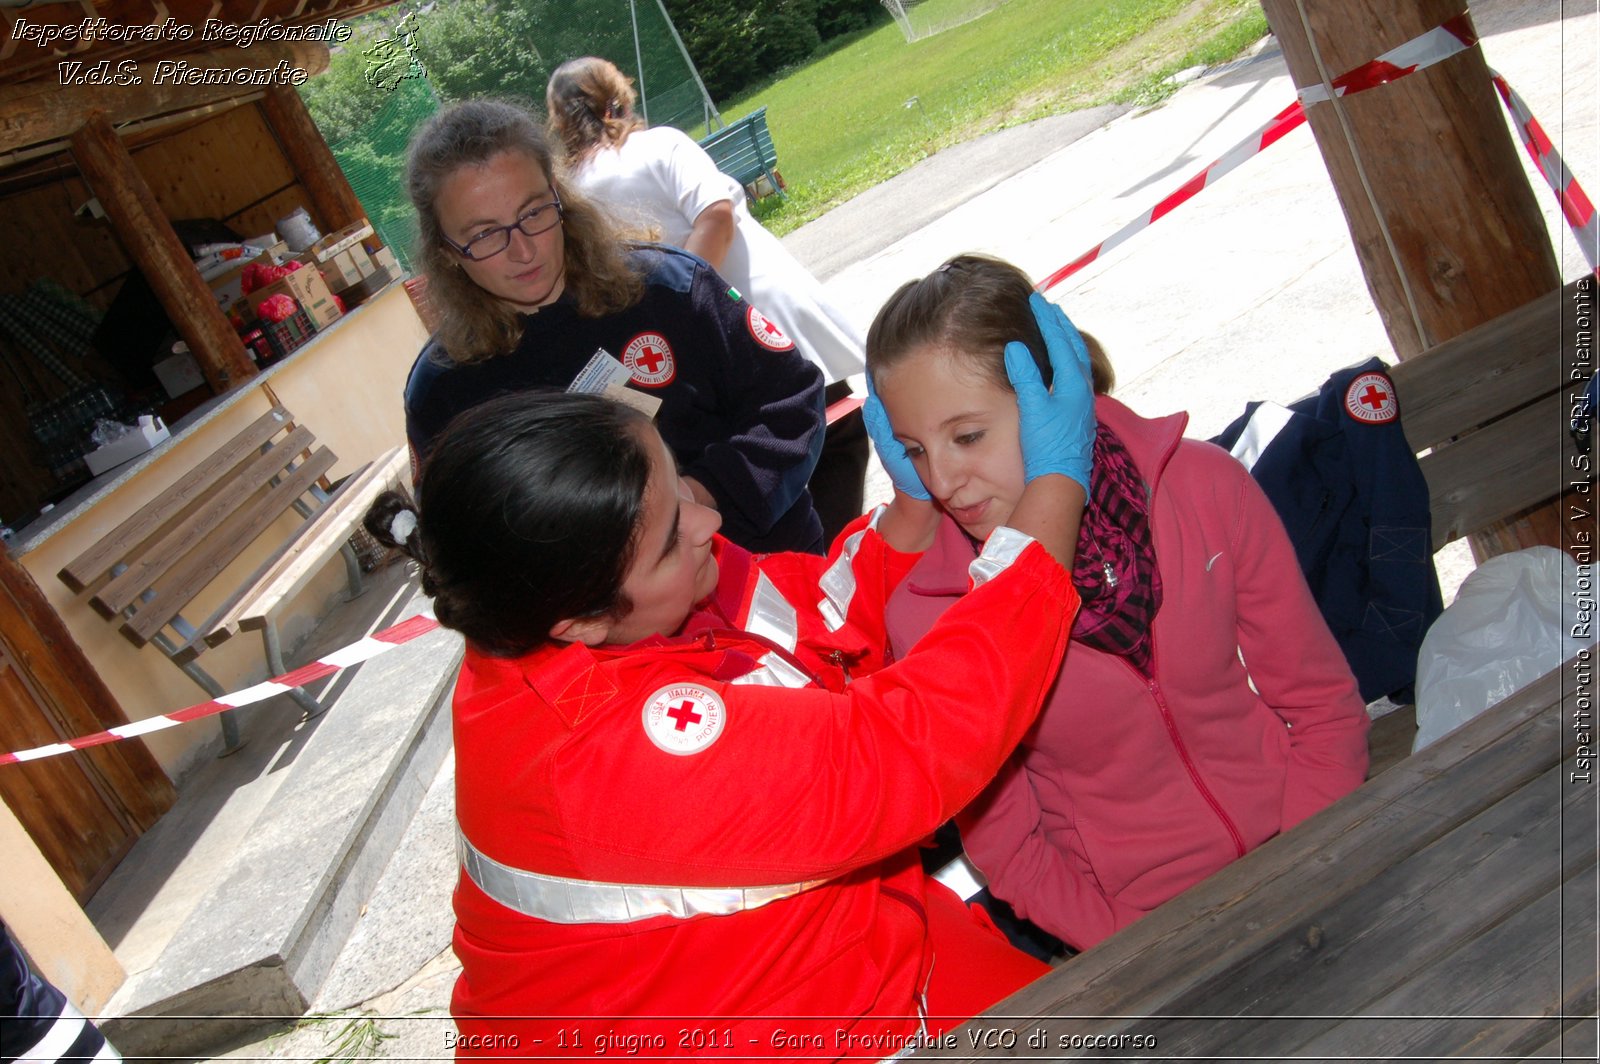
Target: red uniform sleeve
803,784
1295,663
1003,833
850,586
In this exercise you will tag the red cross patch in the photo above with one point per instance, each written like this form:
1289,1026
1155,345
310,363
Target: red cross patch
684,718
1370,398
648,357
765,332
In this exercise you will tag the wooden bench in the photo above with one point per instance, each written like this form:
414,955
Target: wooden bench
1443,911
1488,413
1501,397
149,570
744,151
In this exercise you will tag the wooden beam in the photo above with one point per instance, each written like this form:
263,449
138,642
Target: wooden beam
35,112
147,236
1446,228
15,176
332,199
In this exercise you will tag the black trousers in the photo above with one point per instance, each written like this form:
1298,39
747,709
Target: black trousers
840,479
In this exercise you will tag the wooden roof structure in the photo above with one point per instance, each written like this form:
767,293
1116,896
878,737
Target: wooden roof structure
93,80
43,97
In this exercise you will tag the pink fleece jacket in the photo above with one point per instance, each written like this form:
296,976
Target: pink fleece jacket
1129,790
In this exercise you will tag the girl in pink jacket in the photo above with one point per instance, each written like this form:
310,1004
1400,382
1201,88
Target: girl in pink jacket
1202,707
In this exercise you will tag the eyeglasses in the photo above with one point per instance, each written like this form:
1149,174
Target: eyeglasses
492,241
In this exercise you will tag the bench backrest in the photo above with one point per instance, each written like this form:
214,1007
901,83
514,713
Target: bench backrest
148,569
1491,408
744,149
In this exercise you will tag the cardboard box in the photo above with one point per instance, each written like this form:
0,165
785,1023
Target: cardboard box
179,373
363,262
343,240
384,259
341,271
145,435
306,287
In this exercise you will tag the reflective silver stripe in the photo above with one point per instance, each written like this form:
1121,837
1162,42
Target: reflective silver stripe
1263,427
771,615
839,581
963,877
775,671
584,901
999,551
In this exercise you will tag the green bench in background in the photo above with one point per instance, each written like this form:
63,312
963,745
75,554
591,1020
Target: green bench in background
744,151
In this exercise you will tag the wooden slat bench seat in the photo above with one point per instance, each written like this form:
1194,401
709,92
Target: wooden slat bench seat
147,573
1491,407
1443,911
1487,413
744,151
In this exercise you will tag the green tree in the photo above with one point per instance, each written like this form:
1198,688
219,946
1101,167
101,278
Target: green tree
487,48
339,99
736,43
785,34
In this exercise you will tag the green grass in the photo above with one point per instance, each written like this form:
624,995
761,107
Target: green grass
871,105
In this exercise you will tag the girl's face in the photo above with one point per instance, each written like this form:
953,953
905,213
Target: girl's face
673,567
531,271
960,429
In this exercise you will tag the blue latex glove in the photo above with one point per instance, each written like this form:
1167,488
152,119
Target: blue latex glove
891,452
1057,423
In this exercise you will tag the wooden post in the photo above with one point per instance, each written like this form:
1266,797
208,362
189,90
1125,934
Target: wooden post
1445,225
147,236
332,199
77,695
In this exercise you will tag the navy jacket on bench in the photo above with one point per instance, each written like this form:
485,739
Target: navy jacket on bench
1340,473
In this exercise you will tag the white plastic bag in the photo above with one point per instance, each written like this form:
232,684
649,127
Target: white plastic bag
1503,631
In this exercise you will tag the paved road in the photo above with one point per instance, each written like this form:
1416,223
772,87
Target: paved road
909,201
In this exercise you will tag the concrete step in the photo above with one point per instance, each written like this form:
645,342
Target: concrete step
229,915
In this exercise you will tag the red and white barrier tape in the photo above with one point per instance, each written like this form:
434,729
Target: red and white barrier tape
364,650
1282,123
1438,44
1575,206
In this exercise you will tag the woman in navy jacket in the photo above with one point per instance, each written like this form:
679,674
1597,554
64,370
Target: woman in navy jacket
536,288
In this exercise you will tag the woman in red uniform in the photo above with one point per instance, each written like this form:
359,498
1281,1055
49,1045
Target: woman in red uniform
688,785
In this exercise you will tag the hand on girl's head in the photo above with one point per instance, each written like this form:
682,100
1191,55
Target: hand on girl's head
1061,338
891,452
1057,424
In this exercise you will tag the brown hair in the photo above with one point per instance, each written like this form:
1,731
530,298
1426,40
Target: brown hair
474,325
973,306
591,104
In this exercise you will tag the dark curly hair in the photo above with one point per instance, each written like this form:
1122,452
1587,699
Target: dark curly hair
528,514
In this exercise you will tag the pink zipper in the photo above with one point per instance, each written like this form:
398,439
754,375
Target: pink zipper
1183,752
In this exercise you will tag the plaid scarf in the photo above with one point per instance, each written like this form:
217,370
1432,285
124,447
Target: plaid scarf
1114,569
